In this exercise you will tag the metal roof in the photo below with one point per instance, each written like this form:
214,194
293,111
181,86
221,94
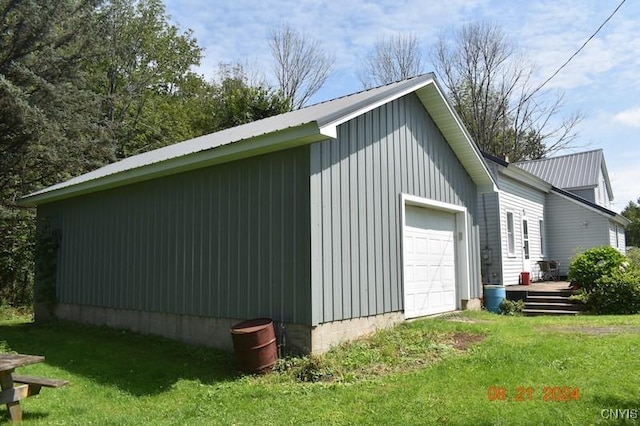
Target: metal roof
303,126
573,171
526,177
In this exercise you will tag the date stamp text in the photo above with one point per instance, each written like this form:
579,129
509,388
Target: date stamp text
529,393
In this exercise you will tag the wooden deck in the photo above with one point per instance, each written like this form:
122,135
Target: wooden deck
540,286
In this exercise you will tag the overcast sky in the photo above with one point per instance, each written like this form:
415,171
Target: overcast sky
603,81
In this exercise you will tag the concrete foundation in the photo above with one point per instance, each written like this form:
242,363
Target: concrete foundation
204,331
215,332
472,304
324,336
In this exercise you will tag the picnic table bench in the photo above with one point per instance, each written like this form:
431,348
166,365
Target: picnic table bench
15,387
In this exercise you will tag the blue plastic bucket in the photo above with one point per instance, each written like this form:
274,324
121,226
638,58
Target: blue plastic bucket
493,295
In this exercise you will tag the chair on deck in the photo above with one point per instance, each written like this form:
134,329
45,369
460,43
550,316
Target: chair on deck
549,270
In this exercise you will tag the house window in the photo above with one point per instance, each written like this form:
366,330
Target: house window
541,223
525,238
511,242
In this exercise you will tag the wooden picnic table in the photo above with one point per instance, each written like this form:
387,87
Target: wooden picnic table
10,393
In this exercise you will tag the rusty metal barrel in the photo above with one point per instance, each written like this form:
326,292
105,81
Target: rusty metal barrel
254,343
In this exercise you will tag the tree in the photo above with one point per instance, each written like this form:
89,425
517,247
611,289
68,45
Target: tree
237,101
45,110
199,107
392,59
489,82
142,58
300,65
49,121
632,233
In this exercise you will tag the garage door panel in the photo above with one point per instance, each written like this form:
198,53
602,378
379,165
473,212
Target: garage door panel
421,274
429,258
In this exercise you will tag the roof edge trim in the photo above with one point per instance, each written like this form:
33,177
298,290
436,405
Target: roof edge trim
458,138
591,206
330,127
263,144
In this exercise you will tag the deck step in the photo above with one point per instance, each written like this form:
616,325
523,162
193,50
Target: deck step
549,299
552,302
553,293
540,312
554,306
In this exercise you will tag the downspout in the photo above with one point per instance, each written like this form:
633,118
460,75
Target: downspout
486,256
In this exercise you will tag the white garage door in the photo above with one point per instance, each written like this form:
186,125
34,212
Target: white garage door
429,262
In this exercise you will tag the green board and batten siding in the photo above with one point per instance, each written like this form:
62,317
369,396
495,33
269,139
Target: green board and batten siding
228,241
356,182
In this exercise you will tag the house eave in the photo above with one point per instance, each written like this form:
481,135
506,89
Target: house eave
451,126
618,218
526,178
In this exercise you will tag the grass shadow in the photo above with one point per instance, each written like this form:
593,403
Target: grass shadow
26,415
138,364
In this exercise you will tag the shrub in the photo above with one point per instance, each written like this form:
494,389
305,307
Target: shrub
509,307
586,268
633,254
618,293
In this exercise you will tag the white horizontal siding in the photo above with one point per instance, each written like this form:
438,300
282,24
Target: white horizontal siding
572,229
524,202
623,240
616,237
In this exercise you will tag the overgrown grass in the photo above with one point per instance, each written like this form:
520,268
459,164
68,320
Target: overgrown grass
408,347
9,314
433,371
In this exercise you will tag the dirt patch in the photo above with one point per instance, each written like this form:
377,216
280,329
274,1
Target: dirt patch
596,331
462,341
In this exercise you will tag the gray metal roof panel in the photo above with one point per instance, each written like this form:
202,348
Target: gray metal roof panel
322,113
572,171
315,122
575,198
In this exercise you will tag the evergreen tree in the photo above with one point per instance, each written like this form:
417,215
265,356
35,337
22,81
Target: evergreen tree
632,233
49,120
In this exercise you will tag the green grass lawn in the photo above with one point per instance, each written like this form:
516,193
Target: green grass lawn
464,369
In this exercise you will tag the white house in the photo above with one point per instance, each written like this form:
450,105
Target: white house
531,219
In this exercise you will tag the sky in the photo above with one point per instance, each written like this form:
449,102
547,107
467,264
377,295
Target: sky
602,82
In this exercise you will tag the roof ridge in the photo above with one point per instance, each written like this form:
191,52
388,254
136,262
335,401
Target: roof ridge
363,91
561,156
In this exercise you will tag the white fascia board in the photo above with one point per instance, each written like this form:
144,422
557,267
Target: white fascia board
458,137
284,139
607,181
618,218
487,189
330,129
